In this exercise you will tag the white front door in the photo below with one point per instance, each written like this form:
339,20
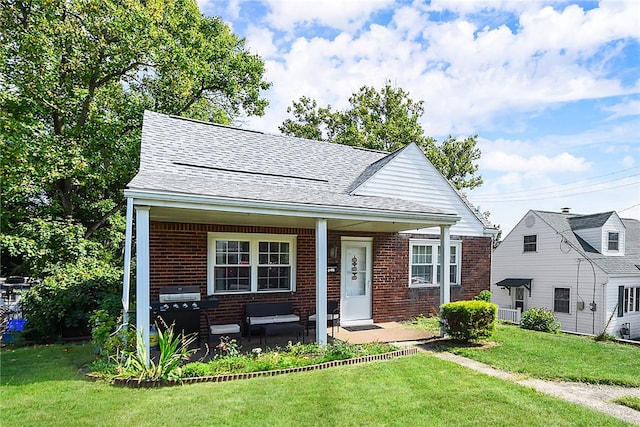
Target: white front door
356,272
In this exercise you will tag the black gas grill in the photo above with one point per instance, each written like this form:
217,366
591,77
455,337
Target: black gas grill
180,306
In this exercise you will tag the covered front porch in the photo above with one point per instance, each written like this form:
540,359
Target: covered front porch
190,220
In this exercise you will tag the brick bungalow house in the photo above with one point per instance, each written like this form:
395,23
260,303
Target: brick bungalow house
252,217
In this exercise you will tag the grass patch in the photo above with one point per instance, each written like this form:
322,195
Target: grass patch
423,323
42,386
629,401
557,356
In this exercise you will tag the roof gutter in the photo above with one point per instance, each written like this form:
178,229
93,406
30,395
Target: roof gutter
184,201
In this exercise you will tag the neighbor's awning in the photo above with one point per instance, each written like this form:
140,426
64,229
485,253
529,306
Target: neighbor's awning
515,283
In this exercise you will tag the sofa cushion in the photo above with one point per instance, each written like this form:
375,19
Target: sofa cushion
232,328
281,318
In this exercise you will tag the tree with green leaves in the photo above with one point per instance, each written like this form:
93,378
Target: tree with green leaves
385,120
75,78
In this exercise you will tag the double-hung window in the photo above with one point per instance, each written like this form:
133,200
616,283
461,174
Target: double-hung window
613,241
631,299
421,264
245,263
530,243
561,297
424,268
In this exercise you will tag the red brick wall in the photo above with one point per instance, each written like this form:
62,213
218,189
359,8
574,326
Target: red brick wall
178,256
393,300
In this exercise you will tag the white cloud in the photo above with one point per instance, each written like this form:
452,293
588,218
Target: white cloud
465,74
339,14
537,164
628,161
629,107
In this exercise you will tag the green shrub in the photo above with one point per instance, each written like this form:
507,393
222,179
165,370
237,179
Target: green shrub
469,320
195,369
68,297
174,351
110,338
484,295
539,319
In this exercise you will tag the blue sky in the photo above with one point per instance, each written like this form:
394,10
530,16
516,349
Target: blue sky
552,89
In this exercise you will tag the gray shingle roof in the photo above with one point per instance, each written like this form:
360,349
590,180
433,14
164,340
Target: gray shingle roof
565,224
185,156
589,221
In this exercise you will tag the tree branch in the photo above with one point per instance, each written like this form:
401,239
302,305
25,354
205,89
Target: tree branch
93,227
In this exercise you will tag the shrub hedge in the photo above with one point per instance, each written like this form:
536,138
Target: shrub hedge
539,319
67,298
469,320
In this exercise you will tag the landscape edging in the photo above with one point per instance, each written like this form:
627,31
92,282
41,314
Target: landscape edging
134,383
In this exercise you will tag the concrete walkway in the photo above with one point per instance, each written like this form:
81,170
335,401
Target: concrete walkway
384,332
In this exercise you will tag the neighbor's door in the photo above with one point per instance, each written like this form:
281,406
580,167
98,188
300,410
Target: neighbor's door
356,282
518,298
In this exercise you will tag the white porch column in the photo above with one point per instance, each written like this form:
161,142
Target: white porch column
321,281
126,279
445,258
142,275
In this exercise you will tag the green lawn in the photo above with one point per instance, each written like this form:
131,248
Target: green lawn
42,386
558,356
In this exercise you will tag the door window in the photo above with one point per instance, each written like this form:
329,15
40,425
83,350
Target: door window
356,272
518,298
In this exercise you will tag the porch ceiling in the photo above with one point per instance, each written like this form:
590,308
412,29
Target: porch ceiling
353,223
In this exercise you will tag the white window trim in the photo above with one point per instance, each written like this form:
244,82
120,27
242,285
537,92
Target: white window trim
253,239
435,244
631,295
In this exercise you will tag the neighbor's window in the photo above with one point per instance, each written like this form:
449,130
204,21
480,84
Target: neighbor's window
241,263
613,241
631,299
561,300
425,261
530,243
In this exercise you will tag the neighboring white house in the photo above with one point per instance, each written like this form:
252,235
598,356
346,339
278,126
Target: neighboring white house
585,268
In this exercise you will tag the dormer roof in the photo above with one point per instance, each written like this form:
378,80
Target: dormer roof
590,221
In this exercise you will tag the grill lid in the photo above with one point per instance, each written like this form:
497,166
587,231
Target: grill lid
179,293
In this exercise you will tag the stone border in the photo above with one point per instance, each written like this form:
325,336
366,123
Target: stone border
134,383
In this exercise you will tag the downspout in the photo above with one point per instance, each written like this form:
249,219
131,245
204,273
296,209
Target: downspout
578,291
126,279
592,304
593,300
